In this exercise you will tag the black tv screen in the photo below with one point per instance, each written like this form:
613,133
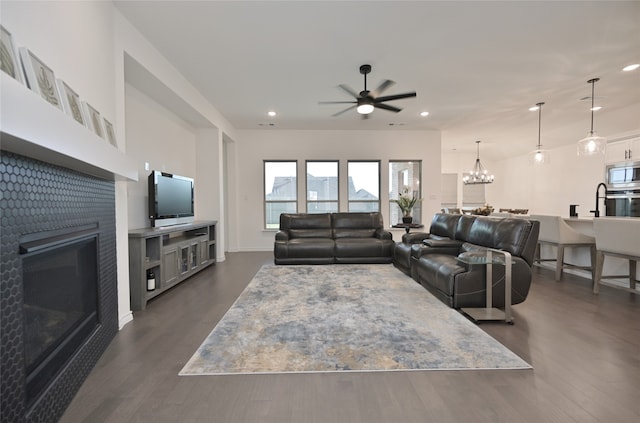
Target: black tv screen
170,199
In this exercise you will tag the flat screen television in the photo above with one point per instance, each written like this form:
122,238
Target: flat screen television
170,199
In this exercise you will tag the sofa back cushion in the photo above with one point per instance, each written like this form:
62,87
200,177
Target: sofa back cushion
303,225
356,225
463,228
443,225
517,236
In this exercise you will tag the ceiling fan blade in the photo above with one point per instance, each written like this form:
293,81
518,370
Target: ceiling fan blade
386,107
337,102
394,97
349,90
382,87
344,111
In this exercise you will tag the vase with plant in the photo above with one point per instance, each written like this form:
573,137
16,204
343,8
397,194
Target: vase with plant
406,202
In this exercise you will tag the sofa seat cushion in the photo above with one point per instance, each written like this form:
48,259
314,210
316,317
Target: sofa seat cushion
305,247
440,270
364,247
354,233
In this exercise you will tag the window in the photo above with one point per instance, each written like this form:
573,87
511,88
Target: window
449,190
280,191
364,186
404,176
322,186
473,195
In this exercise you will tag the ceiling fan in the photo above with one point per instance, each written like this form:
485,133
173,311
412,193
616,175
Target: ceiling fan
366,101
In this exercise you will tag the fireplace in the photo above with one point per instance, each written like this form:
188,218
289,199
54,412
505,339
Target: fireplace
60,306
58,293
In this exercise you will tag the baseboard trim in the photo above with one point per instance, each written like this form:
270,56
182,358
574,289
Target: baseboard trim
125,319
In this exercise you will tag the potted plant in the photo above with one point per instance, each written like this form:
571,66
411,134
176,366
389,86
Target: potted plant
406,202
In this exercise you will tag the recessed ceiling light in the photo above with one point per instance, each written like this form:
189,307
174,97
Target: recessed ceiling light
533,108
271,113
423,114
596,108
630,68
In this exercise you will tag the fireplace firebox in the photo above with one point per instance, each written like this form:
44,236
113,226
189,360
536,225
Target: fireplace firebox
60,305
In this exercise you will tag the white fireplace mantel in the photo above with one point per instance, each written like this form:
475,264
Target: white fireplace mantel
34,128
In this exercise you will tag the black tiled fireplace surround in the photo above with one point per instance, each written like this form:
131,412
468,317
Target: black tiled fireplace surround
39,197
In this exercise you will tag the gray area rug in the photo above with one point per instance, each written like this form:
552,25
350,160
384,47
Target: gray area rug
343,318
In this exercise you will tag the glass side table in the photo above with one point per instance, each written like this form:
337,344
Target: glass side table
488,258
407,226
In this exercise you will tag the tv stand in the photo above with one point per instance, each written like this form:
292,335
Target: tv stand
172,253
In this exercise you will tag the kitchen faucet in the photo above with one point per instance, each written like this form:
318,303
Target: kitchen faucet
597,210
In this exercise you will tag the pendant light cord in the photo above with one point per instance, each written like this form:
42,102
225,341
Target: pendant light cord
593,86
539,121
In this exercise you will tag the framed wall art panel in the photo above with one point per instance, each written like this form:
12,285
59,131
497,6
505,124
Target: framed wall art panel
40,77
9,60
110,133
94,119
71,102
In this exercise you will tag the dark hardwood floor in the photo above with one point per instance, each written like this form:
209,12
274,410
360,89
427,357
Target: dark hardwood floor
585,350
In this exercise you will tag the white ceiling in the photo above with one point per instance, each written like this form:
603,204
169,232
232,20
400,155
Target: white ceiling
476,66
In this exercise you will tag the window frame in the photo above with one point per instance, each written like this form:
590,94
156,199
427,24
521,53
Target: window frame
378,201
306,179
267,203
393,207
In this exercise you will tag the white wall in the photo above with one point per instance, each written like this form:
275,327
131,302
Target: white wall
158,137
548,189
252,147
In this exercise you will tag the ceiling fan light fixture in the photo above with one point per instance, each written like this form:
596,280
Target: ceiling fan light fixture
365,108
592,144
366,101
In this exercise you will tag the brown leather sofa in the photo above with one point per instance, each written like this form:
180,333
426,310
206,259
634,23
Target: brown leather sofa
328,238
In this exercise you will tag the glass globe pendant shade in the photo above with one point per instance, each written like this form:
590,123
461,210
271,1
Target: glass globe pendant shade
592,144
539,157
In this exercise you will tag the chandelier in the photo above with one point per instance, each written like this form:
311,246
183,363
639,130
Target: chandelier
478,175
592,143
539,156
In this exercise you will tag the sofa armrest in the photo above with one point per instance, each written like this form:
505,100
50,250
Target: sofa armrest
382,234
443,243
282,236
436,246
414,237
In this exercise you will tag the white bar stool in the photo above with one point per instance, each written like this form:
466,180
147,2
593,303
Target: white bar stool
556,232
617,237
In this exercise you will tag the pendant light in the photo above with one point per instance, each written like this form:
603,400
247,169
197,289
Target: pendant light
539,156
478,175
592,144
